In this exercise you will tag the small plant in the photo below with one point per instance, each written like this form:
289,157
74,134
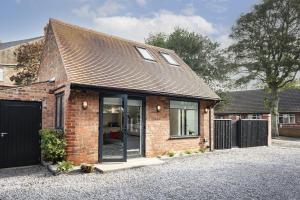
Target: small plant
171,153
52,145
188,152
196,151
65,166
202,149
87,168
158,156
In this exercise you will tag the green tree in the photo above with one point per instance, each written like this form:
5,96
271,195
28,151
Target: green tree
28,61
199,52
267,45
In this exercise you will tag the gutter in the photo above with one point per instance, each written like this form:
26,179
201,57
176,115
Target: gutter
133,91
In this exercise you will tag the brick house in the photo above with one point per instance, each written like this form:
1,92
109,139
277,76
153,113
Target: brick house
8,60
250,104
117,99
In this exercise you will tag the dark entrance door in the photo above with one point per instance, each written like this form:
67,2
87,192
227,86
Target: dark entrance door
19,138
113,128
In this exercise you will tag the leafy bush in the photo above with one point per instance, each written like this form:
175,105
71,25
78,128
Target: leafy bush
65,166
171,153
52,145
188,152
87,168
202,149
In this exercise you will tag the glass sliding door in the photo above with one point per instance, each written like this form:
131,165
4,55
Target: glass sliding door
135,121
113,121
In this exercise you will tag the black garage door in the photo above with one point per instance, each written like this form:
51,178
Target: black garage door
19,140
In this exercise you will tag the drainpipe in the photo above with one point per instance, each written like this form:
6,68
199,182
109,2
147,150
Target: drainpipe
211,106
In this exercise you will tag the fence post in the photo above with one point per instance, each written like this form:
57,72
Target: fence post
269,142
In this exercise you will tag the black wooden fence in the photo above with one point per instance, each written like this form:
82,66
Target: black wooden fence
252,133
223,134
241,133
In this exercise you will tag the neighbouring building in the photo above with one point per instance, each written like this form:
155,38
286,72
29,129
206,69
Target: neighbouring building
251,104
114,98
8,60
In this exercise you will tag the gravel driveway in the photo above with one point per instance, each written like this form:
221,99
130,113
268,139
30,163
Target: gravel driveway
252,173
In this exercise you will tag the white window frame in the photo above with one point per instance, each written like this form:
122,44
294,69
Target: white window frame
145,53
169,58
254,116
291,118
1,74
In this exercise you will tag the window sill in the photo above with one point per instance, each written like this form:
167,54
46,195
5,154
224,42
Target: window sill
184,137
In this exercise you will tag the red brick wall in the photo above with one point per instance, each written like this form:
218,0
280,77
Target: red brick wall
81,126
158,128
291,130
51,64
40,92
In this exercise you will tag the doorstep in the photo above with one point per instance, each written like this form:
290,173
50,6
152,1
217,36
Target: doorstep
131,163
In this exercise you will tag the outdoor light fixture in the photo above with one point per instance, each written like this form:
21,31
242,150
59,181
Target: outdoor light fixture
84,105
158,108
206,110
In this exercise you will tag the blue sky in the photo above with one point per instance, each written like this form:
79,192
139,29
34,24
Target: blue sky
132,19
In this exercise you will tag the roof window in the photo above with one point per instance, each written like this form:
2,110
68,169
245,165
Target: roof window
169,58
145,53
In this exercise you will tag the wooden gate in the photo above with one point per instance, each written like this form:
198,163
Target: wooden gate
19,140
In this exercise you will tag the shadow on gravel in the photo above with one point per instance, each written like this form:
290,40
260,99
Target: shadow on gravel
33,171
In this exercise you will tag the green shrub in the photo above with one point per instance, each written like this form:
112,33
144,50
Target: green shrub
87,168
188,152
52,145
171,153
65,166
202,149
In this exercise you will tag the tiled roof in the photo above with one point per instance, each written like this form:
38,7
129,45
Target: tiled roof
96,59
6,45
7,50
252,101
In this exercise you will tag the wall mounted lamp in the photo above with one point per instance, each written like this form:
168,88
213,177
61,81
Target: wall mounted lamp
158,108
206,110
84,105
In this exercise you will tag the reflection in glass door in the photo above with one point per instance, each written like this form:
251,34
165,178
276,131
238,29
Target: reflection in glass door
114,128
134,138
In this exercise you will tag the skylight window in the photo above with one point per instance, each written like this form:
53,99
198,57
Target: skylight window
145,53
169,58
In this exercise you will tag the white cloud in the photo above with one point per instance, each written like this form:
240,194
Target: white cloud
84,11
189,10
141,2
138,28
109,7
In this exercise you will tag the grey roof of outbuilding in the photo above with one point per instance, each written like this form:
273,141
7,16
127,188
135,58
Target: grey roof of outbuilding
6,45
100,60
253,101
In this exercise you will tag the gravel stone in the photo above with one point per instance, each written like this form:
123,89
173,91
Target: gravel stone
250,173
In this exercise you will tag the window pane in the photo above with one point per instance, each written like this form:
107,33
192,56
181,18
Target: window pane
191,122
285,119
169,59
145,53
59,113
292,119
175,122
183,118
